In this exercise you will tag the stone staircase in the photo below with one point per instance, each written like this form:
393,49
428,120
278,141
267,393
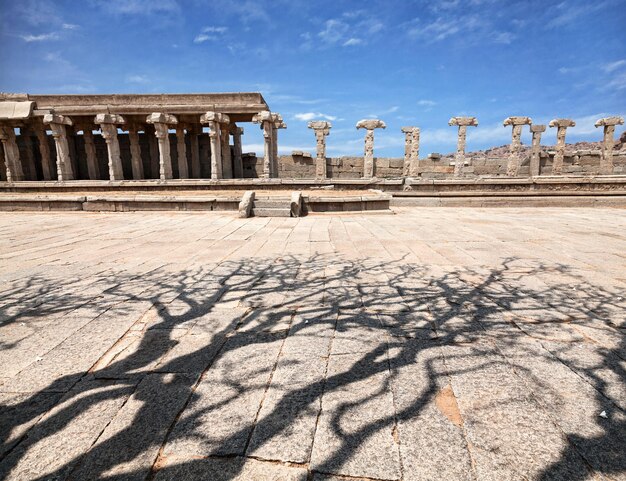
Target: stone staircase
271,207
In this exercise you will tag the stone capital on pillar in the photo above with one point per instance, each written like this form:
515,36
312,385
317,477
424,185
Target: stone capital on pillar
606,159
108,126
513,165
58,125
561,125
161,123
321,129
368,157
463,123
12,160
536,130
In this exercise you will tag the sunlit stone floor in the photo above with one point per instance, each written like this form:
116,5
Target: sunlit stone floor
452,344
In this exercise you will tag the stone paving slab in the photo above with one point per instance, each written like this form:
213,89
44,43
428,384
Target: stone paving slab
456,344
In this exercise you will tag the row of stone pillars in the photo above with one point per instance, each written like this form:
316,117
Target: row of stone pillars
219,125
412,138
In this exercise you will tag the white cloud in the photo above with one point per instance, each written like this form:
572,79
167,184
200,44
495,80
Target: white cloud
40,38
213,29
210,33
203,38
70,26
334,31
137,79
618,82
566,13
352,41
390,110
140,7
504,37
306,116
444,27
609,67
426,103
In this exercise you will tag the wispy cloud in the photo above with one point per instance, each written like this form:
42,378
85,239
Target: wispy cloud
70,26
618,82
567,13
609,67
352,41
140,7
306,116
346,30
390,110
210,33
137,79
426,103
40,38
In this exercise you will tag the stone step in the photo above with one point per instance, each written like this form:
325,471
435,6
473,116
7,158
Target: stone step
271,212
271,203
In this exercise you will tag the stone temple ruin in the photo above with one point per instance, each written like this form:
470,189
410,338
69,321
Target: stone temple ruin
195,141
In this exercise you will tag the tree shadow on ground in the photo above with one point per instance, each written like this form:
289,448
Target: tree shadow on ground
158,401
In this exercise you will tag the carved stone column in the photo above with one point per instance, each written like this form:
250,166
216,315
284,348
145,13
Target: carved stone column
408,138
27,135
161,124
47,166
513,165
536,149
368,158
108,126
278,124
214,119
227,165
11,154
415,152
606,160
64,164
193,132
135,152
462,123
237,132
562,125
90,151
321,129
181,149
265,119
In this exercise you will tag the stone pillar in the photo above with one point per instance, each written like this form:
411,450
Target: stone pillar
415,152
153,147
161,123
512,169
181,149
135,152
227,165
562,125
196,170
321,129
536,149
90,151
266,123
462,123
214,119
606,160
278,124
237,132
47,166
64,164
368,158
108,126
27,137
12,160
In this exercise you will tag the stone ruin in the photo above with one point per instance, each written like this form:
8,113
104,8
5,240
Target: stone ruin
188,136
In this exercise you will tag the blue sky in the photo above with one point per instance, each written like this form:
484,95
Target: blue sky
405,62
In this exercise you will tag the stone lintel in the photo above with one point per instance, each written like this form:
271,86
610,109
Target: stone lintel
320,125
537,128
460,121
606,121
109,119
235,130
214,117
562,123
517,120
57,119
16,110
160,118
371,124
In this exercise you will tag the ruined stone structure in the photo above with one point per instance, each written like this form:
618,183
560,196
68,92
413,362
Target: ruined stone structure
140,136
561,125
516,143
166,137
368,157
321,129
462,123
609,123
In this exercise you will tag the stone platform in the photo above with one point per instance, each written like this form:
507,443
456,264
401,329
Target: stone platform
460,344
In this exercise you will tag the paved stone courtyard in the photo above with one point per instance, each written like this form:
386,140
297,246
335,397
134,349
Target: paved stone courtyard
452,344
